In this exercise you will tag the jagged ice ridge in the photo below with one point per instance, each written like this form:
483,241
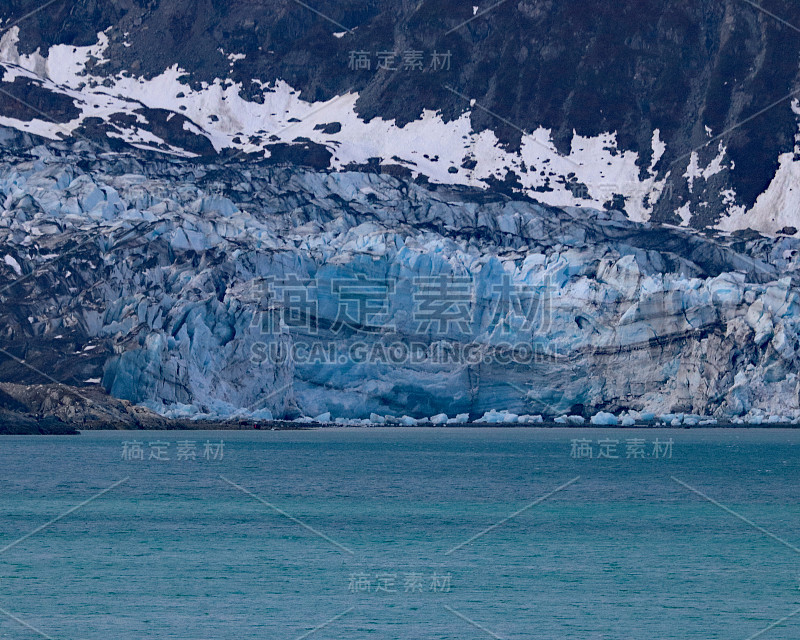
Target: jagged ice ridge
156,268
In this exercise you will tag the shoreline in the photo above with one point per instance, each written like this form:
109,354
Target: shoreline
46,427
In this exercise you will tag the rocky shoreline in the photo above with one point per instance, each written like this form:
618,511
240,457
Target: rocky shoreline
63,410
26,425
57,409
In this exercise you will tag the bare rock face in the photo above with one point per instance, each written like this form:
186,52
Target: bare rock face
197,289
61,408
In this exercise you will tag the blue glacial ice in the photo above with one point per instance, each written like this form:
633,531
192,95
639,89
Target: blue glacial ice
277,292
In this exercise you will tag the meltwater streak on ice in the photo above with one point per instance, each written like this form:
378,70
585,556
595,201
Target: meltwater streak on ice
624,553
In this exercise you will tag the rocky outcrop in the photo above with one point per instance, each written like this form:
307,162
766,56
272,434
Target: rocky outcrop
59,409
64,408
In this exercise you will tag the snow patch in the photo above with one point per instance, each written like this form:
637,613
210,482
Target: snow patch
777,207
685,214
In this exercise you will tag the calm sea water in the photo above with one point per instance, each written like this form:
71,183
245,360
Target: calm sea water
356,533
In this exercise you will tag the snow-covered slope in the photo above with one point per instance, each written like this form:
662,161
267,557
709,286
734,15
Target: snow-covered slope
446,152
166,113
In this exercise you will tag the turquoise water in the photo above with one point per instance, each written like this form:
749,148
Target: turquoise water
361,535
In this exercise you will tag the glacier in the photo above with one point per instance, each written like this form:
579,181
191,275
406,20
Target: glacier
205,289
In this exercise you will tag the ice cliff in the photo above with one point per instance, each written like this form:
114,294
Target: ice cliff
200,288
